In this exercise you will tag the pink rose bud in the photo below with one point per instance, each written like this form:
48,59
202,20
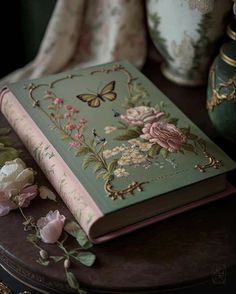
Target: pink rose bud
50,226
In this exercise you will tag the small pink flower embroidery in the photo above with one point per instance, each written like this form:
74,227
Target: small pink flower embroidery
58,101
67,115
78,136
83,121
70,127
74,144
50,226
72,108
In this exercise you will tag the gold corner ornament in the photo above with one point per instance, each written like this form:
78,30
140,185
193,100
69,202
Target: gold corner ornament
120,194
212,162
225,92
4,289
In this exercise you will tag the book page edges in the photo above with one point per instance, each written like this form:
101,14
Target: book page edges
229,191
73,193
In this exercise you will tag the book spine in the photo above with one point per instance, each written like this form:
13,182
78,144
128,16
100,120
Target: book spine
72,192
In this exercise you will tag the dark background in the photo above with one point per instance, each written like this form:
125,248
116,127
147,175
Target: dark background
22,27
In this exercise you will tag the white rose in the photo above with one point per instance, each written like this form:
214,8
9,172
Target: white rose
15,175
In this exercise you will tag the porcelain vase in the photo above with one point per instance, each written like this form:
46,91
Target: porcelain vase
186,32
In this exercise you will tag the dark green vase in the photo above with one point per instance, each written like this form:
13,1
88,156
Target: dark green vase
221,92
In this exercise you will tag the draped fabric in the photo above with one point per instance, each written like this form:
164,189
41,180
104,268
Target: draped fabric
83,33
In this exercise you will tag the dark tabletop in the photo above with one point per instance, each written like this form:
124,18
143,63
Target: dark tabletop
188,253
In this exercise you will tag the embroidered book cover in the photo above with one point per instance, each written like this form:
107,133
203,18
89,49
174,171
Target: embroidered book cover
116,149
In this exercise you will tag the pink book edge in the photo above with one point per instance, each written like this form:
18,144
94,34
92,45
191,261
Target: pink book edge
69,188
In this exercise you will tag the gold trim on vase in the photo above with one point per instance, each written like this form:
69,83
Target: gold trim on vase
231,33
4,289
222,92
227,59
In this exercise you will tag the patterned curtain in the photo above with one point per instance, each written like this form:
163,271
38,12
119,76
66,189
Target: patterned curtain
84,33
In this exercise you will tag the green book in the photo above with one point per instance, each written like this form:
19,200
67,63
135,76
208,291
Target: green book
120,154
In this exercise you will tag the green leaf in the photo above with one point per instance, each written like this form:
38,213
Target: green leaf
72,281
88,160
185,131
7,154
173,121
189,147
83,150
101,174
192,136
65,137
57,258
98,166
112,165
86,258
129,134
74,230
107,176
4,131
164,152
201,142
154,150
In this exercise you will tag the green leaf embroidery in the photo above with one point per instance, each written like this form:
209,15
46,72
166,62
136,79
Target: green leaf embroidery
202,143
173,121
112,166
129,134
98,166
164,152
189,147
192,136
90,159
83,150
101,174
185,131
154,150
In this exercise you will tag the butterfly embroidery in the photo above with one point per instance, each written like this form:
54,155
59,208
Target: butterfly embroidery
94,100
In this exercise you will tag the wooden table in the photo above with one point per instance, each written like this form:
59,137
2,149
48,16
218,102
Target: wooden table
188,253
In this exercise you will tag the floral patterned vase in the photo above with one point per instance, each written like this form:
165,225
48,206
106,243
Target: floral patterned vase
185,33
221,92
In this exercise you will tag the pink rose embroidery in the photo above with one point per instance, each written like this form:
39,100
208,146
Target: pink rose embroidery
50,226
164,134
141,115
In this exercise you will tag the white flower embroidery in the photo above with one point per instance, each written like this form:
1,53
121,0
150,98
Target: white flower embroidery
120,172
109,129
